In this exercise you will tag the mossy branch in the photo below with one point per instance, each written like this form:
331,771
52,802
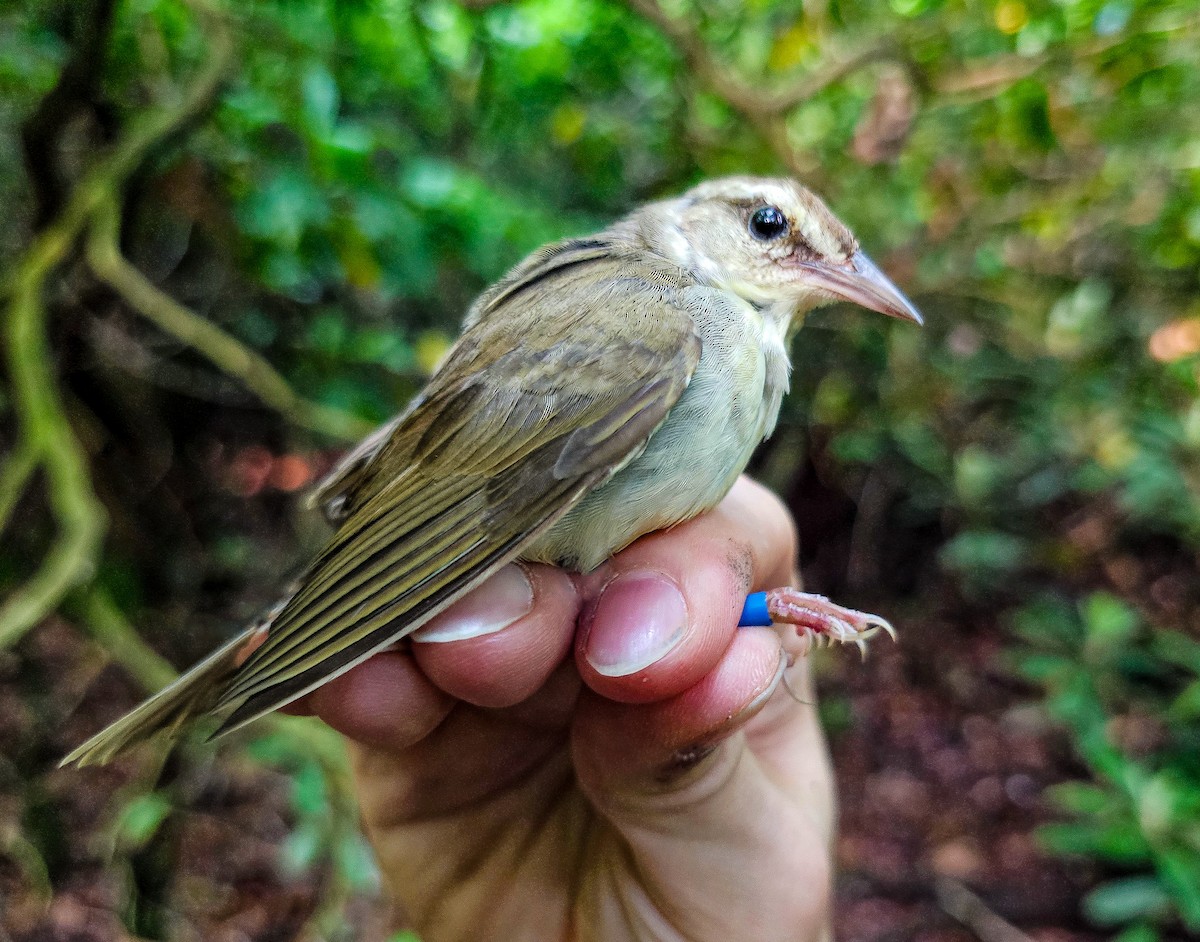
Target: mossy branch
15,474
753,100
44,424
225,352
764,108
39,409
116,636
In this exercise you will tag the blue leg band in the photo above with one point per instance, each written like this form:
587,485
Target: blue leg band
754,612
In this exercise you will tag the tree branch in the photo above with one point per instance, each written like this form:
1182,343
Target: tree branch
958,901
39,408
699,59
225,352
990,76
749,99
75,90
15,474
834,71
113,633
764,109
110,172
80,516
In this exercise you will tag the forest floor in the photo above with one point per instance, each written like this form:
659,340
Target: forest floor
942,762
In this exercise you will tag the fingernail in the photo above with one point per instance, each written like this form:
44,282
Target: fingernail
639,617
505,598
760,700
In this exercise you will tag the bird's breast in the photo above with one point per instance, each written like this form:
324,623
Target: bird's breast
693,458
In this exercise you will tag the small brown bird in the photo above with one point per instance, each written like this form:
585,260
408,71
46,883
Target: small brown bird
605,388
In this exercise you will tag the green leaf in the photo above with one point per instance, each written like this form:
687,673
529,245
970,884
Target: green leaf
321,98
986,550
1180,871
302,848
356,863
328,333
977,473
859,446
1178,649
1120,901
1045,668
1082,798
1186,706
1119,842
141,818
1049,621
913,8
1109,621
1142,932
309,794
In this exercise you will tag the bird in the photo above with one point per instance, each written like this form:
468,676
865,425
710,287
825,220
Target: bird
606,387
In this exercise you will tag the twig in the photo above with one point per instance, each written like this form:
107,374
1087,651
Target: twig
110,172
74,92
15,474
80,516
698,57
832,72
754,101
764,109
225,352
986,78
960,903
110,629
990,76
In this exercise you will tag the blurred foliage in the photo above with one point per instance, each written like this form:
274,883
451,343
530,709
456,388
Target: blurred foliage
1031,170
1130,696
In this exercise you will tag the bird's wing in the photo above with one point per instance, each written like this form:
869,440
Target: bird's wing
333,490
353,474
567,368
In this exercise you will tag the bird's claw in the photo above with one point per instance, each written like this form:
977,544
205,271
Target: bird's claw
820,621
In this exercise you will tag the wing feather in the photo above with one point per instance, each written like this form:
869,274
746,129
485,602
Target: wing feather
397,607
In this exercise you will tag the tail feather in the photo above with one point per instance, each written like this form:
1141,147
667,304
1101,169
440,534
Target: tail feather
186,699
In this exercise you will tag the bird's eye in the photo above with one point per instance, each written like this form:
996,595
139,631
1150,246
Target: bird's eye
768,223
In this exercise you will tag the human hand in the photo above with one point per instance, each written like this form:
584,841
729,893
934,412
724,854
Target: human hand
659,784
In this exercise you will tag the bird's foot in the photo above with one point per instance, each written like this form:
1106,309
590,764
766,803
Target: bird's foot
817,620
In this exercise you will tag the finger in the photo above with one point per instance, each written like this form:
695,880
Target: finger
385,702
497,645
676,775
473,754
663,611
757,515
786,737
620,745
501,642
789,744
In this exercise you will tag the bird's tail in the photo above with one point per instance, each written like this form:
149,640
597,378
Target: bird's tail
190,697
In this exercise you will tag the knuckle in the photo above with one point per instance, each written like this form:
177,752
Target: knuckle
776,533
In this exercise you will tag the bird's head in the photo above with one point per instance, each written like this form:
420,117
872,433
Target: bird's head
772,243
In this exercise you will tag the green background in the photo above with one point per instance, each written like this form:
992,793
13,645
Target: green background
237,236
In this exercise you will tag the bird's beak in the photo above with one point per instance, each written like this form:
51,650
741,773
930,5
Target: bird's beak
860,281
